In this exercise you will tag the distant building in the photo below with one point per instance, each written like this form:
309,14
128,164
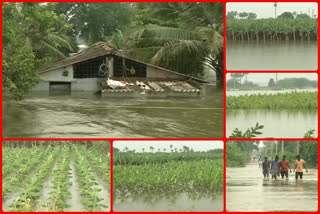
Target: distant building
89,69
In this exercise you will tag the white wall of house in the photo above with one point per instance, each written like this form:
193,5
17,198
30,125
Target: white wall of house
84,84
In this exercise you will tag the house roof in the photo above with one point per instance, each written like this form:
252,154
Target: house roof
96,50
102,49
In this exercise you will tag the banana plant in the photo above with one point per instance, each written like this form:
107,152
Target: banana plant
28,200
61,184
87,182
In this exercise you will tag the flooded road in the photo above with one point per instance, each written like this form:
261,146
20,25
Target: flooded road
272,55
247,190
41,116
277,123
176,202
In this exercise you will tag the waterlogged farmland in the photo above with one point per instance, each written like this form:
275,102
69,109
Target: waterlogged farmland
163,181
272,44
282,114
55,178
293,100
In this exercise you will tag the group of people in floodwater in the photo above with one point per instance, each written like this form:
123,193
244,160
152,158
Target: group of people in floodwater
277,168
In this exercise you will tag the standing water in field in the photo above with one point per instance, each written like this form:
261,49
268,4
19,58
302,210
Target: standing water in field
277,123
272,55
247,190
93,116
170,202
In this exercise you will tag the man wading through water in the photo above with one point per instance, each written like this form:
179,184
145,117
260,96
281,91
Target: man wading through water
265,167
275,168
284,166
299,165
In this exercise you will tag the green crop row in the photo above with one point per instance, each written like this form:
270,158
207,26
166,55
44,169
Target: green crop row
204,176
28,200
272,29
100,163
87,181
13,161
61,183
293,100
132,158
27,169
22,175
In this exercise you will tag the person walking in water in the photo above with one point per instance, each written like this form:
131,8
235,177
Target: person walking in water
299,165
265,167
260,161
284,167
275,167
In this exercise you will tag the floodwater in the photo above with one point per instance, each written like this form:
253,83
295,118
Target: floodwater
75,200
277,123
82,115
247,190
283,91
172,202
272,55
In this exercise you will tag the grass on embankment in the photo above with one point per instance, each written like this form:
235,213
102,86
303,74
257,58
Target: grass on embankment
293,100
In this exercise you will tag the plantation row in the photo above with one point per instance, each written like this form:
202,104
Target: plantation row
131,158
272,29
26,169
293,100
203,176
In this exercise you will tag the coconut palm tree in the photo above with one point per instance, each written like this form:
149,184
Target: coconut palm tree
198,38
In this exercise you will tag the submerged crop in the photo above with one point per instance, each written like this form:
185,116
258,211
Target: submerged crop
185,175
293,100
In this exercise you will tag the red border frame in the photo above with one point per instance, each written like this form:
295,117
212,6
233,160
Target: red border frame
224,139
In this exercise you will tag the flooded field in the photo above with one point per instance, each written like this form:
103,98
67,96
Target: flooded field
57,178
272,55
176,202
42,116
247,190
277,123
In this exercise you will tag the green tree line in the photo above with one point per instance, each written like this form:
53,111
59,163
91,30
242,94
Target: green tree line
238,152
235,82
100,145
272,29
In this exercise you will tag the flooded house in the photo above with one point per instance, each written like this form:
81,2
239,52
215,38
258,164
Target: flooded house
103,69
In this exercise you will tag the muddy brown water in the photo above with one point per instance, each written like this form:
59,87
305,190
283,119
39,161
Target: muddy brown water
277,123
83,115
247,190
272,55
172,202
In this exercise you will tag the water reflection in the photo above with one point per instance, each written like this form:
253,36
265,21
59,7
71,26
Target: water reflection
81,115
169,202
277,123
272,55
247,190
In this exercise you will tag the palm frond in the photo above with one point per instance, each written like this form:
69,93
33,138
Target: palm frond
52,48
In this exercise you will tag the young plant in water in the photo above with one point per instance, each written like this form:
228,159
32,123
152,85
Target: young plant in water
250,133
61,184
27,201
87,182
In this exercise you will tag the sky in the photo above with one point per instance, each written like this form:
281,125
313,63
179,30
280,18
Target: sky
195,145
266,9
263,78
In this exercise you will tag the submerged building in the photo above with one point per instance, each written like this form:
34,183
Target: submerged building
93,69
